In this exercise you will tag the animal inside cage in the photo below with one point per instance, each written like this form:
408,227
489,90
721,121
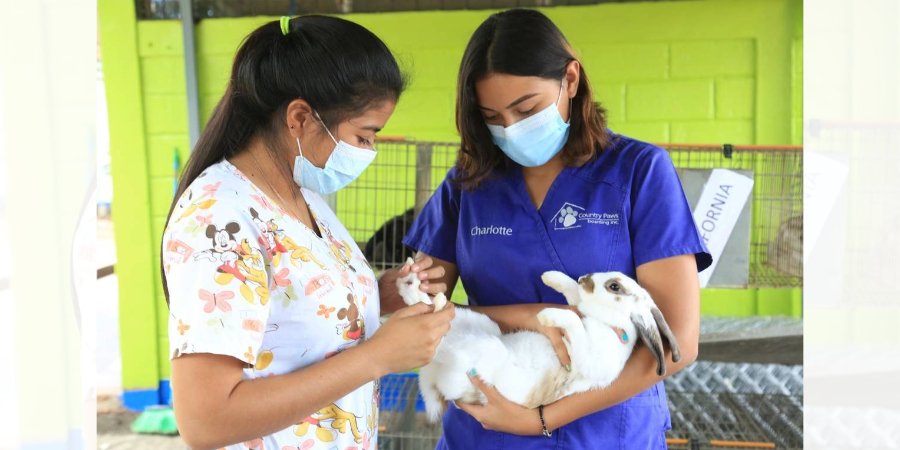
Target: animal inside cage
379,208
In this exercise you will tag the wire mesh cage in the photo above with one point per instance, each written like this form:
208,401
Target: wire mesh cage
402,424
379,208
776,241
736,405
727,420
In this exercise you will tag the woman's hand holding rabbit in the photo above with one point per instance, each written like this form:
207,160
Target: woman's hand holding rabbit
409,338
427,271
524,317
556,337
500,414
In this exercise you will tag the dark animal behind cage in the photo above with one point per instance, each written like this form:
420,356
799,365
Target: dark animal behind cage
385,248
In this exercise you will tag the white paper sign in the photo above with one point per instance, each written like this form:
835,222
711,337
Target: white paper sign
721,202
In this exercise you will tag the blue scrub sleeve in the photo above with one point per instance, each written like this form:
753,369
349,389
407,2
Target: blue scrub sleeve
662,224
434,230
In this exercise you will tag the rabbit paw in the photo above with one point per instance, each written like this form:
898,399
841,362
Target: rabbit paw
557,280
558,318
440,301
563,284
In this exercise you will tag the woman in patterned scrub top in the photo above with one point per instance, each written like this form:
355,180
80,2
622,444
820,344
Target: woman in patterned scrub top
274,312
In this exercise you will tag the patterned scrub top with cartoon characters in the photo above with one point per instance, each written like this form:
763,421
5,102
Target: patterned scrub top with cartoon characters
247,280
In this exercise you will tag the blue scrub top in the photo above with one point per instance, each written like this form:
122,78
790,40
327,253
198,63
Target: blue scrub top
624,208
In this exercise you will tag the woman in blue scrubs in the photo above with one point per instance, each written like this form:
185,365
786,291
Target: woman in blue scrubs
541,184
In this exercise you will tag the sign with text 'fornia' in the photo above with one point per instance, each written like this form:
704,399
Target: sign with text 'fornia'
723,198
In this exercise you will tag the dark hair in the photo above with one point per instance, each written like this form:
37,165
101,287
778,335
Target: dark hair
339,67
520,42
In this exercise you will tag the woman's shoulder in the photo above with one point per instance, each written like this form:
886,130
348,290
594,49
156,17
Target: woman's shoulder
220,190
621,160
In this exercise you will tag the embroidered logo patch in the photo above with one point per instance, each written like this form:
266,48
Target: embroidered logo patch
572,216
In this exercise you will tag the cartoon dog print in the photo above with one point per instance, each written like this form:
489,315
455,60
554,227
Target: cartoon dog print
252,268
300,253
276,243
188,205
341,250
241,260
267,232
339,418
372,418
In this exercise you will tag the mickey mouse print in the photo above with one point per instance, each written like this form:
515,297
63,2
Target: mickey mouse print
249,281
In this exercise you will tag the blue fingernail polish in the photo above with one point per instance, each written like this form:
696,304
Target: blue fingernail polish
472,372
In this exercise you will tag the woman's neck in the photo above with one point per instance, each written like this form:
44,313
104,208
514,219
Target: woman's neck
269,175
539,179
257,159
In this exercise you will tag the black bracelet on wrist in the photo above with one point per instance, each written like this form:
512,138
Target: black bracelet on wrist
544,429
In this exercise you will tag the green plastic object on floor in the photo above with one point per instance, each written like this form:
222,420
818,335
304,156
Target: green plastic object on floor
155,420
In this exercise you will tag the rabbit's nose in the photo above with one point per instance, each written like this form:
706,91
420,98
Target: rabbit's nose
587,283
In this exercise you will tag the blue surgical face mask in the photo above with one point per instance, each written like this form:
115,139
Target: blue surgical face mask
345,164
532,141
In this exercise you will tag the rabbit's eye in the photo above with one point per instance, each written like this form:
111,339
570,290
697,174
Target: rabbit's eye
613,286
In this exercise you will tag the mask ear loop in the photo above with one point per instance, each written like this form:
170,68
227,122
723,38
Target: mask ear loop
571,99
562,83
300,149
326,128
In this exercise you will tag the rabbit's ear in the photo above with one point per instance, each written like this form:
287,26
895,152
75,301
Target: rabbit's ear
666,333
650,336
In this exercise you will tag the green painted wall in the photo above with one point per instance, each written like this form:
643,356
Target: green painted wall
797,73
706,71
687,71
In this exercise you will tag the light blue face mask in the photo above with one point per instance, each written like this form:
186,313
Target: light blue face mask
345,164
532,141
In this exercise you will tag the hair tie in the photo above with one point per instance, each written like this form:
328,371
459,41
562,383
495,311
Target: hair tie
285,25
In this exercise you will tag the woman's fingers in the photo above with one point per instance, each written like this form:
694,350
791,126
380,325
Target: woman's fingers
489,391
559,346
432,273
424,262
442,319
414,310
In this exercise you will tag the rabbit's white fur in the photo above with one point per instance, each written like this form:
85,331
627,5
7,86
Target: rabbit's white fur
408,288
523,365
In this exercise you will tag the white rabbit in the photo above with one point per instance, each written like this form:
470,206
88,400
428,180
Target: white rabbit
523,365
408,288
